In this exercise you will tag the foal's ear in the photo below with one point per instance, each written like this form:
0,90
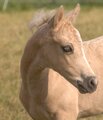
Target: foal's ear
74,13
57,17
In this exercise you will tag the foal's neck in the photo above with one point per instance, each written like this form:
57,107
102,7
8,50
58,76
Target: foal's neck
35,69
32,60
32,67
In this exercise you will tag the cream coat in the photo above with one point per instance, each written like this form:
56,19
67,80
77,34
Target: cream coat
52,95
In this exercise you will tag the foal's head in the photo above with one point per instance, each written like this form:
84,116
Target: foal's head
62,49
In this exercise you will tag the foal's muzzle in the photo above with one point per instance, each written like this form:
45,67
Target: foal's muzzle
88,85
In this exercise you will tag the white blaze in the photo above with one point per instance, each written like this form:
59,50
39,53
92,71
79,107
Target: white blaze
83,51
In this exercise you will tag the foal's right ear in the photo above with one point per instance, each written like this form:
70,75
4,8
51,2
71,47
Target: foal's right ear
55,20
74,13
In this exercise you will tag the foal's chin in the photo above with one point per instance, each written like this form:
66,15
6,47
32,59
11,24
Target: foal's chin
83,90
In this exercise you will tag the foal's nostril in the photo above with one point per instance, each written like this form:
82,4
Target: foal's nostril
92,82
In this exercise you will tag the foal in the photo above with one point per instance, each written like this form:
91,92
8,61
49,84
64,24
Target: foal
53,65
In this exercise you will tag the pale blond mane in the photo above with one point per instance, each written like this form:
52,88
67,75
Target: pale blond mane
40,18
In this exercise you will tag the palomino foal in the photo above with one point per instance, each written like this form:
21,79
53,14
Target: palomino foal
53,65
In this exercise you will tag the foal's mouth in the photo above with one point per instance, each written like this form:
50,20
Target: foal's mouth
82,89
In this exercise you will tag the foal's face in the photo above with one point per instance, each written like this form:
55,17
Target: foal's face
65,54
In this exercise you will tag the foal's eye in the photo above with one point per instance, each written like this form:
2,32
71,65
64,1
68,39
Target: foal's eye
68,48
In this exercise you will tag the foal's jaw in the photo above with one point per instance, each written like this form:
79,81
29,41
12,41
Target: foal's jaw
87,84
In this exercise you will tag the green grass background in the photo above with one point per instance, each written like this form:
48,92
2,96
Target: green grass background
29,4
14,33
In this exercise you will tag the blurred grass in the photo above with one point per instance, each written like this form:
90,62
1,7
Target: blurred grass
34,4
13,36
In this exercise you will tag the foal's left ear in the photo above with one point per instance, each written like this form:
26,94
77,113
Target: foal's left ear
72,15
57,17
